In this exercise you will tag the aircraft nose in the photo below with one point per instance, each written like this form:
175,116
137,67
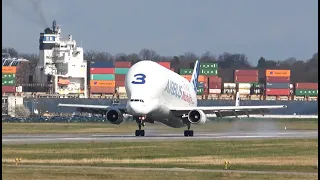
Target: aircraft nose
137,108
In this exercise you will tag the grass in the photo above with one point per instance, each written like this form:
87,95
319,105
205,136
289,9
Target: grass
224,125
279,155
96,174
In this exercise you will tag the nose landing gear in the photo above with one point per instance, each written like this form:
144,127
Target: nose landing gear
140,122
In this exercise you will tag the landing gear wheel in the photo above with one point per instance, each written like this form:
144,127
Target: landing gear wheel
188,133
139,133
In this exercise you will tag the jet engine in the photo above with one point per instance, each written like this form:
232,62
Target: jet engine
115,116
197,117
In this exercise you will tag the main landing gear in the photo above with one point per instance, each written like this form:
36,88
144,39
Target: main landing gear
188,132
140,122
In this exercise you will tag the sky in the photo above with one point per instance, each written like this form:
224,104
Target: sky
274,29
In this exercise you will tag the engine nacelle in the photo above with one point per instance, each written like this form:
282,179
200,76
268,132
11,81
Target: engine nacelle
197,117
115,116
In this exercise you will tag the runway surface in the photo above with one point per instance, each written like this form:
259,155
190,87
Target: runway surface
55,138
167,169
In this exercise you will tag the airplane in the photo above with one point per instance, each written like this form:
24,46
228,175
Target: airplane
157,94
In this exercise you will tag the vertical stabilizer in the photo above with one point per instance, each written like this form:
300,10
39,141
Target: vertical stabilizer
237,99
195,75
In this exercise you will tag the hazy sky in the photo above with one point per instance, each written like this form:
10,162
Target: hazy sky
275,29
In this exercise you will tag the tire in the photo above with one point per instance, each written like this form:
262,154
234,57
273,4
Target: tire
137,133
186,133
191,133
142,133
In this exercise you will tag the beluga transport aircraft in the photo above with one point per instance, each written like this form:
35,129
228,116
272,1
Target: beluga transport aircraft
156,93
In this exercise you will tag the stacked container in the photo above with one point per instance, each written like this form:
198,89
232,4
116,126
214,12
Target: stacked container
214,85
306,89
246,76
102,78
209,69
202,85
121,70
277,82
165,64
229,88
244,88
9,79
186,73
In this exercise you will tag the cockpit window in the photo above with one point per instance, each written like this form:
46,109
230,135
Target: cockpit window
137,100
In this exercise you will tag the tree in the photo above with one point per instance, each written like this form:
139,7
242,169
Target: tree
261,63
148,54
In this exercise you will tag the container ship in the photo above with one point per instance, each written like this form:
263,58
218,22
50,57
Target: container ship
62,73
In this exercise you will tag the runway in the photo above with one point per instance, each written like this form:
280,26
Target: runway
57,138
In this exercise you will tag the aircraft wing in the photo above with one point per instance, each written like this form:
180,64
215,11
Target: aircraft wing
225,111
93,108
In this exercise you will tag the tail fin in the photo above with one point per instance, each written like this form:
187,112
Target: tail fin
237,99
195,74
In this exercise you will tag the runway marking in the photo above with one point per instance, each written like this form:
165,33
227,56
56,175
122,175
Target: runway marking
167,169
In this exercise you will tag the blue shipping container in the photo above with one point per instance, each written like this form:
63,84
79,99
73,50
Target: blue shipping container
278,85
102,64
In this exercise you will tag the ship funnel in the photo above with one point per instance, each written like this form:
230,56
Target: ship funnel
54,25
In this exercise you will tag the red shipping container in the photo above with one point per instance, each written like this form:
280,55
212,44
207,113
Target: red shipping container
120,77
276,92
275,79
242,72
214,79
215,85
311,86
102,90
120,83
101,70
8,89
246,79
122,64
165,64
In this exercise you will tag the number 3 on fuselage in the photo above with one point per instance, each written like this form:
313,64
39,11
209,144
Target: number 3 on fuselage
140,79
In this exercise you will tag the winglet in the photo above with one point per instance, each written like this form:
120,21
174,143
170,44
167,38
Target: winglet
195,75
237,99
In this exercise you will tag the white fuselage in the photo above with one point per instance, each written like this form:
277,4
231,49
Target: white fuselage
152,89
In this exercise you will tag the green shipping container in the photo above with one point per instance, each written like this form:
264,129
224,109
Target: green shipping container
306,92
209,72
200,91
208,65
185,71
200,85
107,77
9,82
8,76
121,70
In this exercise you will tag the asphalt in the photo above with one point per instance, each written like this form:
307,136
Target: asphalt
56,138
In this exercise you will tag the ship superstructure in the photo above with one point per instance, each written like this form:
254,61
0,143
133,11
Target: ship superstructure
61,63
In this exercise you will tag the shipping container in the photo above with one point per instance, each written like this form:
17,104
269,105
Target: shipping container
229,85
214,91
120,83
201,78
244,91
208,65
200,91
246,79
313,86
214,79
244,85
120,77
200,85
215,85
102,83
278,92
122,90
306,92
121,70
188,77
209,72
122,64
185,71
277,85
229,91
276,72
8,89
101,70
109,77
9,69
11,82
101,64
165,64
8,76
278,79
257,85
102,90
242,72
